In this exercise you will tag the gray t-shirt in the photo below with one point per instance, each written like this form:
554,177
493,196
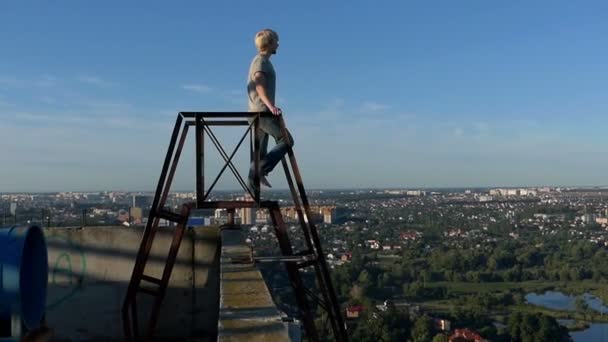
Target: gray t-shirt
261,64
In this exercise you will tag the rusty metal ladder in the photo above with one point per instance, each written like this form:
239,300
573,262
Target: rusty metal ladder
142,283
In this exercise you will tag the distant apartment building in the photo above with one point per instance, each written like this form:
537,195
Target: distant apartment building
136,215
601,220
247,215
325,214
220,213
512,192
262,216
588,218
142,201
415,193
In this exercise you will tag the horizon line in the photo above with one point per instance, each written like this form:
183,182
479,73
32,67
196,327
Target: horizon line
326,189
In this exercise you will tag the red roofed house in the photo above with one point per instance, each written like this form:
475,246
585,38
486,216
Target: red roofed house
348,256
354,311
465,335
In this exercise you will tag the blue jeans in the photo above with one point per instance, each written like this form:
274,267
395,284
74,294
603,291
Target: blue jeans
270,126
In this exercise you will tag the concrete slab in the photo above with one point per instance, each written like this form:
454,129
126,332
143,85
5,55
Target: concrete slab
247,311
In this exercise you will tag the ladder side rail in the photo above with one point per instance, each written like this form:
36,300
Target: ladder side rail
256,161
176,157
200,159
297,205
144,252
178,235
293,273
341,334
306,229
150,227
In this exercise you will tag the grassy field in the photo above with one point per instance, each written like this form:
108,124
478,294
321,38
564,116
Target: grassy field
570,287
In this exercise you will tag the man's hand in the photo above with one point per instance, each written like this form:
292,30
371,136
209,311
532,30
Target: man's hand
275,110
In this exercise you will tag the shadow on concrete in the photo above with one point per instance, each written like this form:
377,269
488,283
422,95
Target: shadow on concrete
88,283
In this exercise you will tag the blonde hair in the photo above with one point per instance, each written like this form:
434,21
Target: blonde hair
265,38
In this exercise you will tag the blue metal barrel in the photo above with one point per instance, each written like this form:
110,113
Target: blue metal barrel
23,274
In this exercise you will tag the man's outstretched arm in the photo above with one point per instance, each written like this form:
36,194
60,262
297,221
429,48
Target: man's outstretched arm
260,87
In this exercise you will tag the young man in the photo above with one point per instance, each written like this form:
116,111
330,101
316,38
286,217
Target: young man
261,86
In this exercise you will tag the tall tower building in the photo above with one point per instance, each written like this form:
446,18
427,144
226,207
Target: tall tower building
247,214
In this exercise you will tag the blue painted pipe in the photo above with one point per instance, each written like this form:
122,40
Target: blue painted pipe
23,274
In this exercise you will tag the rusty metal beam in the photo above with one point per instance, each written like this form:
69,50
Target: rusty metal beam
225,114
222,123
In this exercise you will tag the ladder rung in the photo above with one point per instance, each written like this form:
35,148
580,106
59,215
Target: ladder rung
306,263
286,258
152,292
171,216
151,279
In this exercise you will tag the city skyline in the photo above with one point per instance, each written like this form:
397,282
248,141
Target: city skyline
385,95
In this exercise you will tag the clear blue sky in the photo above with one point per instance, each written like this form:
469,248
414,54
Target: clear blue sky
377,94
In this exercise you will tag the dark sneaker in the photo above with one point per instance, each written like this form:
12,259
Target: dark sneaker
265,182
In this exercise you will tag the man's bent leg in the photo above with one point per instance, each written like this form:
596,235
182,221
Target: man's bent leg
262,137
272,158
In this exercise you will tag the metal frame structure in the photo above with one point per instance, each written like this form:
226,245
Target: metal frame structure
294,261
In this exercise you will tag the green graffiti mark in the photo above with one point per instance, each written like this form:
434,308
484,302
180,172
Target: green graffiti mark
56,267
68,271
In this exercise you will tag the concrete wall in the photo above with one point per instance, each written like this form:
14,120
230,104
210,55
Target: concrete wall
89,270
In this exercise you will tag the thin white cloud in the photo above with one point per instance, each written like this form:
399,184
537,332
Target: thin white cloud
31,117
374,106
52,118
483,129
336,102
128,120
197,88
93,80
458,131
48,100
46,81
14,82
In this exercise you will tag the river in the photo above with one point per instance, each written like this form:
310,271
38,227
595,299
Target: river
597,332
